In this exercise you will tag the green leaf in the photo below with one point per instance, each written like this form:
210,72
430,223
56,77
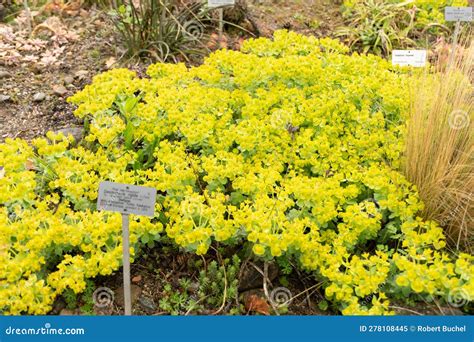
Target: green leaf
128,136
236,198
130,104
323,305
145,238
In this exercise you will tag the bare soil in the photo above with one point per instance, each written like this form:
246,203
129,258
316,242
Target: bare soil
67,48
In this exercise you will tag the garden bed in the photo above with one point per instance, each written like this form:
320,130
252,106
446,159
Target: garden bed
279,168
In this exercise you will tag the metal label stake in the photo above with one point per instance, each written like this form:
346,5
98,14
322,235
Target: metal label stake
221,25
126,264
220,4
126,199
457,14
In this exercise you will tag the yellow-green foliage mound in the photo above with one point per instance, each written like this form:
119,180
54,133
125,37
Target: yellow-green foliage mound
290,145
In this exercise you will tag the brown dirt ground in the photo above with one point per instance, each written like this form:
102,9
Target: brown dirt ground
81,59
22,117
315,17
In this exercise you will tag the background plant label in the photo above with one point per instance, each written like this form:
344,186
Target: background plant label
126,199
219,3
458,13
416,58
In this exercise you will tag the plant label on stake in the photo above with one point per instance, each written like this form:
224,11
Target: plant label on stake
415,58
220,3
456,14
126,199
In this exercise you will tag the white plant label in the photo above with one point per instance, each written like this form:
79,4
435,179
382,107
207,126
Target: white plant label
220,3
126,199
415,58
458,13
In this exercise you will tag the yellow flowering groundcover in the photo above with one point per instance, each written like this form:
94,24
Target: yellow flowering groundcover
290,145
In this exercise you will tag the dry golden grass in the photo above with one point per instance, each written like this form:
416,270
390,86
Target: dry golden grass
439,146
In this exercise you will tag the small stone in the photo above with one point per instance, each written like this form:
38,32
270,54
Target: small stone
68,80
38,97
76,132
137,279
59,90
147,303
134,289
4,98
81,74
4,74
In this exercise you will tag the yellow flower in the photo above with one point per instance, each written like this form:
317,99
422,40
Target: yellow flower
402,281
258,249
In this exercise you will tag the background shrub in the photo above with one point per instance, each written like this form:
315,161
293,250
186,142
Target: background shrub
440,146
160,30
379,26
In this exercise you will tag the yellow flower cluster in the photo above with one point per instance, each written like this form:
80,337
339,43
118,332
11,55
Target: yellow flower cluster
290,145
